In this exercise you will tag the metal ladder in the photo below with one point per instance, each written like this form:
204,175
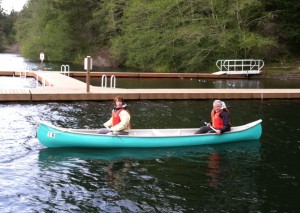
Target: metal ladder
65,69
112,81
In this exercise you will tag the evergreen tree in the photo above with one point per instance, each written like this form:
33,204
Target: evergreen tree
190,35
1,29
286,25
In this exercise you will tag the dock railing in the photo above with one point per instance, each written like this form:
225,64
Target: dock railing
112,81
239,66
65,69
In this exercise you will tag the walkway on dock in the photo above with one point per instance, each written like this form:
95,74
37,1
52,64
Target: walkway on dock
60,87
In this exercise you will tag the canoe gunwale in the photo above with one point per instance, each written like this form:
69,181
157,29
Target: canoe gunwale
52,136
156,133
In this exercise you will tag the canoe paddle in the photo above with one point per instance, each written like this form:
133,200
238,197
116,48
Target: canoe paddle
202,120
112,132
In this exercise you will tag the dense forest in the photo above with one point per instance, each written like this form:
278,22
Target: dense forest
159,35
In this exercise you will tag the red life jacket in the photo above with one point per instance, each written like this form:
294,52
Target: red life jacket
116,117
217,122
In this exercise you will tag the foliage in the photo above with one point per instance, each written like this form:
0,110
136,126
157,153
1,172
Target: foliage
169,35
286,25
189,35
7,33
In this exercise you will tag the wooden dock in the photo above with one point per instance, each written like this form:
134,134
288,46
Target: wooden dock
60,87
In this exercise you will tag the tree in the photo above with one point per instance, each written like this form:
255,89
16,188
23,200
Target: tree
286,22
59,28
1,29
189,35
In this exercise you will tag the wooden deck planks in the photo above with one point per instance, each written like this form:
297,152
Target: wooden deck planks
64,88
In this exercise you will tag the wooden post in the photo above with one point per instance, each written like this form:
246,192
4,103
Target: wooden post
88,74
42,57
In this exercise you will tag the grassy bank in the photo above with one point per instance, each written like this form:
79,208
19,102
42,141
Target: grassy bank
284,70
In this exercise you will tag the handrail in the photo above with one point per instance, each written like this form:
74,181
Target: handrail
113,81
248,66
65,69
103,81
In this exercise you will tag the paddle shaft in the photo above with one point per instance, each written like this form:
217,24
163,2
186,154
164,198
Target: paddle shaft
207,124
113,133
210,126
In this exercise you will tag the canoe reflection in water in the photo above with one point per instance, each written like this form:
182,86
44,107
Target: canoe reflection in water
121,169
117,173
214,169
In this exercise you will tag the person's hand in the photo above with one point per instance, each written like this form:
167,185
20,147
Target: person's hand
218,131
110,131
208,124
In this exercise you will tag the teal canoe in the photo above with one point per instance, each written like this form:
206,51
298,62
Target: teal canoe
52,136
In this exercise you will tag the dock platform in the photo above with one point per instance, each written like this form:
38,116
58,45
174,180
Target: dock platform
60,87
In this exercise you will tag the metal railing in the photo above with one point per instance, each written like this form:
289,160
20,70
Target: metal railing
112,81
65,69
240,66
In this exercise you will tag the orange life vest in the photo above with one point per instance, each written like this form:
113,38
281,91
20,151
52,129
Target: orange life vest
216,120
116,117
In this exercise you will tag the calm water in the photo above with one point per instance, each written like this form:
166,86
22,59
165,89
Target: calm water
256,176
196,83
13,62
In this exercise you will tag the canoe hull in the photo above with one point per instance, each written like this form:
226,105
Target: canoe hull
51,136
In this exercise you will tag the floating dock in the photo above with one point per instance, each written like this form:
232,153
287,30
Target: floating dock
60,87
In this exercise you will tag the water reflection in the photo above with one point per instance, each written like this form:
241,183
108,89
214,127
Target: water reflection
61,154
255,176
196,83
105,178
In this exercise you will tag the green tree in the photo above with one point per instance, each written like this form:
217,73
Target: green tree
1,29
106,21
59,28
31,25
189,35
286,24
7,32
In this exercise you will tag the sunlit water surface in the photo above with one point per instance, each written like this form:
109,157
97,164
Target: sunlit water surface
255,176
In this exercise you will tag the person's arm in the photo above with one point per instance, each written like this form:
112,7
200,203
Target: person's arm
123,125
108,123
226,121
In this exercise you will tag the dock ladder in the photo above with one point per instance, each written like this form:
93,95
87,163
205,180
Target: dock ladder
23,73
112,81
65,69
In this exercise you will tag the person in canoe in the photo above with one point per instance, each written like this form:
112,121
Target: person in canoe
119,123
220,120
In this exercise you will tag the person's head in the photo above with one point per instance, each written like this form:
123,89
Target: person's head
119,101
217,105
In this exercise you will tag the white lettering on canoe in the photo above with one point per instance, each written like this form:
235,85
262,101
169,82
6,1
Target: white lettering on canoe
51,134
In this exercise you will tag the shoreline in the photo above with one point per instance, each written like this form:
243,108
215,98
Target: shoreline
284,71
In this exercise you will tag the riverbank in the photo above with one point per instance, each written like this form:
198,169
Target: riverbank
286,71
103,59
